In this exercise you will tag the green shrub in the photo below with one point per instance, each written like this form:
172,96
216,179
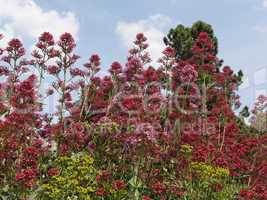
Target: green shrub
76,179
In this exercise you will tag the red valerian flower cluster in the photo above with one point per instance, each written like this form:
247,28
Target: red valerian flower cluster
53,172
144,126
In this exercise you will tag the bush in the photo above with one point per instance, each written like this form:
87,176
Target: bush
70,178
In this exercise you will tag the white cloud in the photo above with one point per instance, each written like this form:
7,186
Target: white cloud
264,3
26,18
153,28
8,34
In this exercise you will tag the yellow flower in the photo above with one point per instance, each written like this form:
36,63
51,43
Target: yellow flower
207,171
186,148
78,176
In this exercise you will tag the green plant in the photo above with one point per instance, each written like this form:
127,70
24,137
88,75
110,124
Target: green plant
76,179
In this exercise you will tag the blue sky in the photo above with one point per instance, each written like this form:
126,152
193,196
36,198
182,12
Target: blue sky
108,27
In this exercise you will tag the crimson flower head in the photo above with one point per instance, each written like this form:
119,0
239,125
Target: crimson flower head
53,69
53,172
188,74
158,188
1,36
261,99
53,53
203,35
24,96
15,43
101,192
140,42
45,40
3,70
67,42
169,52
74,58
95,59
76,72
184,72
16,46
31,152
26,175
47,37
150,74
20,176
131,103
204,44
115,68
140,38
94,63
105,175
227,70
118,184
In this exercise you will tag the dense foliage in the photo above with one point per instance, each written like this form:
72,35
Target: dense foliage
182,38
142,132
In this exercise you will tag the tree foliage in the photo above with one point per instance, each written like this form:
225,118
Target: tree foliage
182,38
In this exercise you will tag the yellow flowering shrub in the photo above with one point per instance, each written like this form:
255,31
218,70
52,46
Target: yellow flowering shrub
76,180
206,171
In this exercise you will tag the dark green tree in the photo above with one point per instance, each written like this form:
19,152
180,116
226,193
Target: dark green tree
182,38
